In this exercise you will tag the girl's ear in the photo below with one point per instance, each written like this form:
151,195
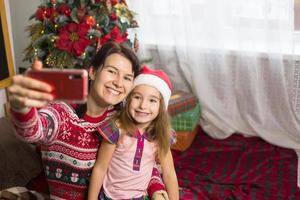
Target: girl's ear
92,73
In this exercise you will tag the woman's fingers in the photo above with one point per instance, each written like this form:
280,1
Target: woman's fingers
26,92
29,93
34,103
23,105
21,102
37,65
29,83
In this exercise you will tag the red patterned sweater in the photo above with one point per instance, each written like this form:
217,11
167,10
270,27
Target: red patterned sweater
69,146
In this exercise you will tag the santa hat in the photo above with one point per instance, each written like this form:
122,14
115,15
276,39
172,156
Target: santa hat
157,79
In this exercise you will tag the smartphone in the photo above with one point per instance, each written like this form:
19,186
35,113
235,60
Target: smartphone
68,84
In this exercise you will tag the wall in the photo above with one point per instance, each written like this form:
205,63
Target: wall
18,13
21,10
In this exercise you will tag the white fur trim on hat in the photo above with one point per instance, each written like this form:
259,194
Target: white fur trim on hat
156,82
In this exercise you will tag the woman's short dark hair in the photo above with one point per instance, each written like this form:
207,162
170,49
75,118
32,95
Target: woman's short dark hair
112,47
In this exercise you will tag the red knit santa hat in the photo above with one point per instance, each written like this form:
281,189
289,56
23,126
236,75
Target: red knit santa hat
157,79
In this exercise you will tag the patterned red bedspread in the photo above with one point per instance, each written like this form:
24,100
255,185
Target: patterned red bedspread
237,168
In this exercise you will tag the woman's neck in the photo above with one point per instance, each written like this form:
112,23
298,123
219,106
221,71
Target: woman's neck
94,109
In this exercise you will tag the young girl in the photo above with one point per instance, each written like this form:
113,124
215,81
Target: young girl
133,140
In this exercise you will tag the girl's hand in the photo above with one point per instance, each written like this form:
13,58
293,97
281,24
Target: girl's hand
25,92
160,195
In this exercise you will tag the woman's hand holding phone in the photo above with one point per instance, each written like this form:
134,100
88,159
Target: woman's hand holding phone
27,91
67,84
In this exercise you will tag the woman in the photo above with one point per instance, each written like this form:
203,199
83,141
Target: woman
66,132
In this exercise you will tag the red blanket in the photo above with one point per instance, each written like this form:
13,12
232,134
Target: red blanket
236,168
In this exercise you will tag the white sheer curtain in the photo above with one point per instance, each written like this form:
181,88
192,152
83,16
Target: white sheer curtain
236,55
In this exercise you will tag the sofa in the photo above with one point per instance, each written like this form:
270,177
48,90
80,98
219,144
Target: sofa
20,161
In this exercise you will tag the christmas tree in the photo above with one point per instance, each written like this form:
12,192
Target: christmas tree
68,33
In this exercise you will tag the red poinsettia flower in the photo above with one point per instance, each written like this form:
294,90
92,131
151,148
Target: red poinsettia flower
73,38
118,36
115,35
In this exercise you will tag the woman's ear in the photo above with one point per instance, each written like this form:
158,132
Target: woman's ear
92,73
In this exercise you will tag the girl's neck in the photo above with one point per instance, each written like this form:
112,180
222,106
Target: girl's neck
143,126
141,129
94,109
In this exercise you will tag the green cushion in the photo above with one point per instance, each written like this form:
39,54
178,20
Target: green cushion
186,121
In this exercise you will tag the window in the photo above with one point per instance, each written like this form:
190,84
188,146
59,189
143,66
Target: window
239,25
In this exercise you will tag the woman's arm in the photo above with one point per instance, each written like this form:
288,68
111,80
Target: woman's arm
25,96
25,117
42,125
169,176
156,188
104,156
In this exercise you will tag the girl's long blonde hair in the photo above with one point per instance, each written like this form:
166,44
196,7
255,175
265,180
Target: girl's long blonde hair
159,129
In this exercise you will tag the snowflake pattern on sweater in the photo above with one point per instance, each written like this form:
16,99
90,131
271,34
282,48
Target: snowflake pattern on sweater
69,146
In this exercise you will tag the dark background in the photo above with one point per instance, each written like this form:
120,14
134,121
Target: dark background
4,72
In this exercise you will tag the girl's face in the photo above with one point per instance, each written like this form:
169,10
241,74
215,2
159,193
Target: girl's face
144,105
112,82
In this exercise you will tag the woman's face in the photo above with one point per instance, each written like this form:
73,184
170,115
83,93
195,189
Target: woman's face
113,81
